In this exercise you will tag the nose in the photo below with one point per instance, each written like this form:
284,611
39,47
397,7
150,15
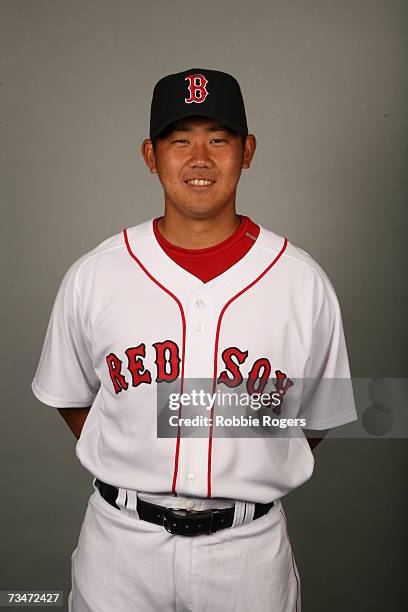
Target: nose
200,157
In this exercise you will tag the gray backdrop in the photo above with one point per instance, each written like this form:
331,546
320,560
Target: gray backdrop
325,87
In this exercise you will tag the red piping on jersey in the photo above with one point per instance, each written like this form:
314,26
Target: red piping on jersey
217,337
183,321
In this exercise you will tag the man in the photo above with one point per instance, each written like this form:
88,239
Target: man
200,293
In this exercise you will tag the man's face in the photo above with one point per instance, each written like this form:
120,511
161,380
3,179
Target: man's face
199,164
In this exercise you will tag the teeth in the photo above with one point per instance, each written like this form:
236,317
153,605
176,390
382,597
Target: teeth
199,182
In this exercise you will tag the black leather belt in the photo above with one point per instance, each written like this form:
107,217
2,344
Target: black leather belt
180,521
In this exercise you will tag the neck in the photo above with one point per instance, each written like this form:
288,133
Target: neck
190,233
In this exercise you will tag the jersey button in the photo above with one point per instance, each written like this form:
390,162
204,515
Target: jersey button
190,476
200,327
190,504
200,303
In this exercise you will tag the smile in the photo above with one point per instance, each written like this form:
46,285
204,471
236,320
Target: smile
199,182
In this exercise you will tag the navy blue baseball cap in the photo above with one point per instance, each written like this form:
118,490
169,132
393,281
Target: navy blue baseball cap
198,91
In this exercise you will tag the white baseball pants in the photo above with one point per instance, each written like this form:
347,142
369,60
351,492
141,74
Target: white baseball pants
124,564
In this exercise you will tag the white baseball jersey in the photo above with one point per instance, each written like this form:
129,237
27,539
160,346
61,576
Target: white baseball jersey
126,316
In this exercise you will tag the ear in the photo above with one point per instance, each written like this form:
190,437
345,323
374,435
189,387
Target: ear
249,151
148,155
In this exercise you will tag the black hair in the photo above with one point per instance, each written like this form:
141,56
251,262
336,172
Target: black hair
167,130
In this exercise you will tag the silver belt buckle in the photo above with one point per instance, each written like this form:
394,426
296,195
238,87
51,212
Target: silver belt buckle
171,526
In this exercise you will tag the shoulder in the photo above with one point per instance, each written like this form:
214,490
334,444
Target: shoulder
297,263
108,252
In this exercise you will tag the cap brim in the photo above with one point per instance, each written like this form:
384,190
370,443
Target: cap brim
203,113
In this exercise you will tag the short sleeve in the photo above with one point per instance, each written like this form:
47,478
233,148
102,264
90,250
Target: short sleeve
328,398
65,376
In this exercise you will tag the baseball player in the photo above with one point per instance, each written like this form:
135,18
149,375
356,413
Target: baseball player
186,522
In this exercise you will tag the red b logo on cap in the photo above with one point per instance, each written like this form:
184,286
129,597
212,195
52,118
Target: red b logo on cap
197,89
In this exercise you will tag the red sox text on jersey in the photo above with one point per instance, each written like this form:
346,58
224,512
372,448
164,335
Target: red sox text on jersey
167,360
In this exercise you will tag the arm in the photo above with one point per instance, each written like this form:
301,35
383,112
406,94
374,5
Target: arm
315,441
75,418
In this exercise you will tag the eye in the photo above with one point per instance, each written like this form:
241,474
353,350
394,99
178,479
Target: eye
218,140
183,140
